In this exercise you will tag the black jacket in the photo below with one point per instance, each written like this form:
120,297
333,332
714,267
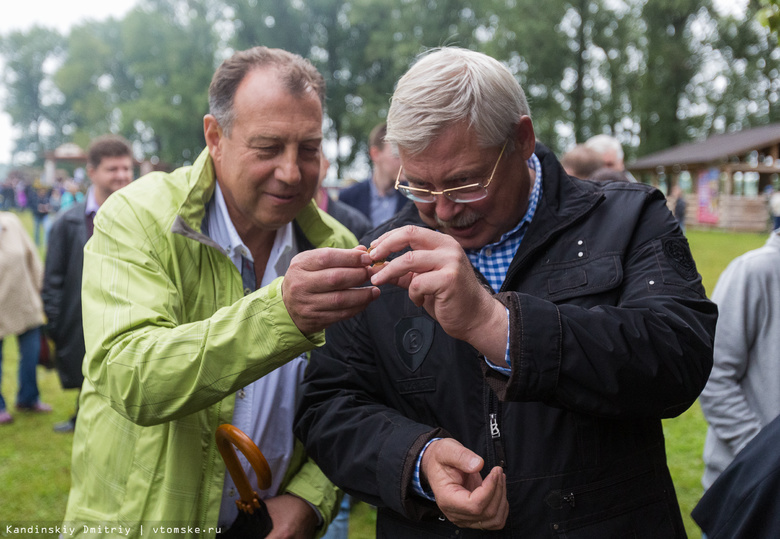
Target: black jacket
62,292
743,502
355,221
610,331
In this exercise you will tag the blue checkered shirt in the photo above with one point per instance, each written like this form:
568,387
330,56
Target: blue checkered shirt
493,262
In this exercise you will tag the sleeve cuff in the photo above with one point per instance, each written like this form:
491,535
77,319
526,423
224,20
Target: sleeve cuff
505,370
417,485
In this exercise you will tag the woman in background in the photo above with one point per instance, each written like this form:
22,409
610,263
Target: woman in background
21,310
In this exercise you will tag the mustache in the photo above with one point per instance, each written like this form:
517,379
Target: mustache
462,220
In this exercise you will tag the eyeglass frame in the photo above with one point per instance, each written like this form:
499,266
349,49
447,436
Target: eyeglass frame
445,191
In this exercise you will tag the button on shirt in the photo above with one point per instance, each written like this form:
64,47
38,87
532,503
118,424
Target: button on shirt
264,409
493,262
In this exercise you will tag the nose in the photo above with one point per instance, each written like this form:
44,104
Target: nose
287,170
125,174
445,208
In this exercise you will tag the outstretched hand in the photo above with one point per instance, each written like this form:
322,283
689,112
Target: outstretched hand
322,286
468,501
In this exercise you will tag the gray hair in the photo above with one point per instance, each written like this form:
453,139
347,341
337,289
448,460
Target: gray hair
451,85
296,73
603,143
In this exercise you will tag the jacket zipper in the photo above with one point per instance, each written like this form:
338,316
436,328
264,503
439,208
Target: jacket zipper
494,428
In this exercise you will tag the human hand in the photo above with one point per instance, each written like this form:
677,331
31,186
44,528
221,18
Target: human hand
468,501
322,286
439,277
292,517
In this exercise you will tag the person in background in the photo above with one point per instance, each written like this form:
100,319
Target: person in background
605,174
109,167
375,197
532,332
611,152
21,273
345,214
774,208
21,195
71,195
41,207
743,392
581,162
680,206
203,291
7,195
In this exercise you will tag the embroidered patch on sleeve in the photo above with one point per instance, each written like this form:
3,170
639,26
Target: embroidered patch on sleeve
679,256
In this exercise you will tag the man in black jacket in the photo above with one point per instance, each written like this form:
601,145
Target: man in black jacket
531,333
109,168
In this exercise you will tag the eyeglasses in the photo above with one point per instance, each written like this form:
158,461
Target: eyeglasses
461,195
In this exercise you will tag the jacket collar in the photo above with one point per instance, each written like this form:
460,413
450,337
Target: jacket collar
563,202
76,213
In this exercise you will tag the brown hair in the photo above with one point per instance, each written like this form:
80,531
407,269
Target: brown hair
376,139
296,73
107,146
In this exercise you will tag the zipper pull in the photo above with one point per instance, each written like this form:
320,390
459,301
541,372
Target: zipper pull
494,432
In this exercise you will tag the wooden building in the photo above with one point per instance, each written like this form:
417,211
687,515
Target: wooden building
725,177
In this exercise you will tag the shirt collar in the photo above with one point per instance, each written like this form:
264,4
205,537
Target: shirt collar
224,233
375,192
92,205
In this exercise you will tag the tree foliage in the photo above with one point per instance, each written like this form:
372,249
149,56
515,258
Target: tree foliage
653,74
31,102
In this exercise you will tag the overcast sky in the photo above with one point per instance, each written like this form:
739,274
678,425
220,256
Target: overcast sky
59,14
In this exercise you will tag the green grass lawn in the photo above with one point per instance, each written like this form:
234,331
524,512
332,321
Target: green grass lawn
35,462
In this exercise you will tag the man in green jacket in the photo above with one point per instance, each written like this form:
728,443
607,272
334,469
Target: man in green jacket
189,324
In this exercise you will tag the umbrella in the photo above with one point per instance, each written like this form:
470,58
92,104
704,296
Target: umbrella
253,518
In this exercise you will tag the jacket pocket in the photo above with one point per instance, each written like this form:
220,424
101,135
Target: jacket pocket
591,276
632,504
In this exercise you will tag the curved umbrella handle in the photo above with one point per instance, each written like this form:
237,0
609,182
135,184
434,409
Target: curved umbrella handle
228,436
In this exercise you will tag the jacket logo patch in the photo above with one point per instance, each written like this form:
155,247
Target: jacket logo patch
679,256
413,340
416,385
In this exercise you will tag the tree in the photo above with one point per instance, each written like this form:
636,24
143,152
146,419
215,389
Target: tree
531,38
32,101
670,65
94,65
361,47
169,50
145,77
769,16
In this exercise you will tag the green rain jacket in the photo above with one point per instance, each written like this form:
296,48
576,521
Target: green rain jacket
170,337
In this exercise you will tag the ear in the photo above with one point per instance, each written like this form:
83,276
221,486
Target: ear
373,152
213,134
525,139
